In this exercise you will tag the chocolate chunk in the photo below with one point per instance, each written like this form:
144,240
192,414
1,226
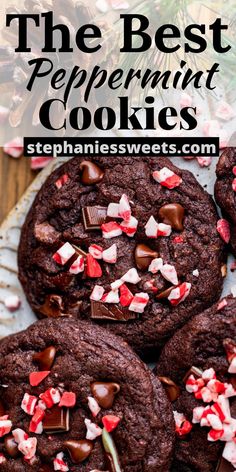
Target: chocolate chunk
45,233
91,173
172,390
79,450
45,358
224,466
172,214
165,294
11,446
79,251
53,306
94,217
56,420
2,409
105,393
100,311
144,256
193,371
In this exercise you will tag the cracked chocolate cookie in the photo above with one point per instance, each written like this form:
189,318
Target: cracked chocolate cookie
129,243
74,397
225,195
198,369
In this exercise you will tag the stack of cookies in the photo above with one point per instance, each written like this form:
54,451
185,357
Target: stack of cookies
124,261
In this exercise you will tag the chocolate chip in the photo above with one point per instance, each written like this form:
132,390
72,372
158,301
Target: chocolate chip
79,450
105,393
165,294
224,466
91,173
11,446
45,358
53,306
56,420
100,311
94,217
144,256
172,390
193,371
172,214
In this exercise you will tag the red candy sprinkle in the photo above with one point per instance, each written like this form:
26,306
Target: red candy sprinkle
36,378
62,181
93,268
110,422
223,229
167,178
126,295
68,399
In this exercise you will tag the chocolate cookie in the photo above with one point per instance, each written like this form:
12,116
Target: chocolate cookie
75,397
225,193
198,368
130,243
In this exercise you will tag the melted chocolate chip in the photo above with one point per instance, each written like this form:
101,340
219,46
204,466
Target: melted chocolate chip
224,466
144,256
11,446
193,371
79,450
94,217
172,390
53,306
45,358
91,173
100,311
172,214
105,393
56,420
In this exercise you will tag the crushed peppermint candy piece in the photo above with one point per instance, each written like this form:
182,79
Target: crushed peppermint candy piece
222,304
232,367
110,422
93,406
116,284
28,403
64,254
131,276
28,448
12,302
93,430
5,425
62,181
68,399
111,230
50,397
35,378
179,294
164,230
169,273
182,425
124,208
14,148
129,227
167,178
93,268
155,265
78,266
126,296
223,229
111,297
110,255
97,293
229,453
113,210
59,463
2,458
139,302
96,251
19,435
36,425
151,228
195,273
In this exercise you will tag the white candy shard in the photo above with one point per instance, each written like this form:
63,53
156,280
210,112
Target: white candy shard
93,430
97,293
124,208
110,255
131,276
111,297
93,406
113,210
151,228
139,302
77,266
155,265
169,273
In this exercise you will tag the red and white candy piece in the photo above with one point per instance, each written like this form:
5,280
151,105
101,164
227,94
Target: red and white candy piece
151,228
222,304
209,374
131,276
111,230
64,254
93,406
169,273
2,459
59,463
182,425
126,296
5,425
110,255
116,284
68,399
93,430
28,404
167,178
93,268
110,422
97,293
215,422
62,181
78,266
215,435
223,229
35,378
191,384
229,452
28,448
36,425
14,148
164,230
50,397
19,435
113,210
139,302
179,294
155,265
129,227
96,251
197,414
12,302
111,297
124,208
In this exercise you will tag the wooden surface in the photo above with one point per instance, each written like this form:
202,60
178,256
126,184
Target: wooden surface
15,177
